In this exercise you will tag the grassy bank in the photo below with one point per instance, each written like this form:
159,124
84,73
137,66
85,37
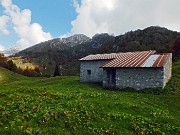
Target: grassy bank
63,105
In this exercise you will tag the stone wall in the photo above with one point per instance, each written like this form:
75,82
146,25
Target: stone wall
137,78
96,74
167,70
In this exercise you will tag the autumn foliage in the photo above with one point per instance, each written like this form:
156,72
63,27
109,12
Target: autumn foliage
8,64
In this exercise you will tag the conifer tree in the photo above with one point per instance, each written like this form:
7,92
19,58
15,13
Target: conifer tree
56,70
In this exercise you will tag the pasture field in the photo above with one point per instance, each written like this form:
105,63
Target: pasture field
63,105
22,63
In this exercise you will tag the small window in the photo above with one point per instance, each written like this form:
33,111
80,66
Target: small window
89,72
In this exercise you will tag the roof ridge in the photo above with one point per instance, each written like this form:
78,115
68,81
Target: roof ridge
110,55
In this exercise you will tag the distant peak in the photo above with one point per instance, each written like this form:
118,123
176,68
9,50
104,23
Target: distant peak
79,36
12,50
76,39
156,28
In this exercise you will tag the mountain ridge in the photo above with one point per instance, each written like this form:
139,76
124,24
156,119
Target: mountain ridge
66,54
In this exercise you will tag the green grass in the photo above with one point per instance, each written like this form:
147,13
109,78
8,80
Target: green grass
6,76
63,105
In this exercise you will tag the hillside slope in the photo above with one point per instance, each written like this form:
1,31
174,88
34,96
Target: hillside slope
66,52
9,76
63,105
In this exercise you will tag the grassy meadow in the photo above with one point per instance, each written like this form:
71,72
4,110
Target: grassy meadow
63,105
22,63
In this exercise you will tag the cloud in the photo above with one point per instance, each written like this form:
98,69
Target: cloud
28,33
119,16
3,24
2,48
76,4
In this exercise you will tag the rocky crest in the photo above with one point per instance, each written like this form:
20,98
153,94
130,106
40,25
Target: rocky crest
67,51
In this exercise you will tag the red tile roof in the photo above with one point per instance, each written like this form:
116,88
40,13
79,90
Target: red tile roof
161,60
100,56
130,59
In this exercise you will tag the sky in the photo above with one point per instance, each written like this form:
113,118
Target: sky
24,23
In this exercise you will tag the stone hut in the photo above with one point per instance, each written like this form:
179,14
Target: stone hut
137,70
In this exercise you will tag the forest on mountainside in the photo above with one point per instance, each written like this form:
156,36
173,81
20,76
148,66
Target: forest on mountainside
65,52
